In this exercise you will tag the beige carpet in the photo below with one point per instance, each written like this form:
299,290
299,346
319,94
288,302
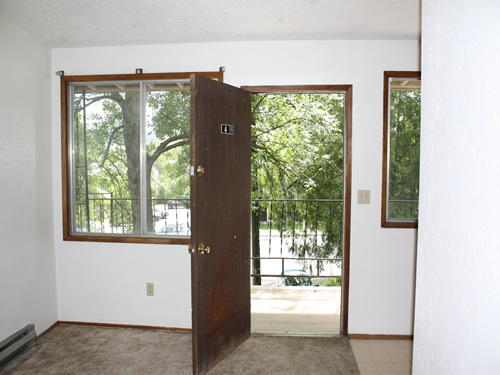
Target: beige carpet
72,349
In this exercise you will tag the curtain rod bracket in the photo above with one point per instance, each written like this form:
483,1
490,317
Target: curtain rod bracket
60,73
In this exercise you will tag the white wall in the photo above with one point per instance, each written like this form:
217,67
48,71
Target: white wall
106,283
27,252
458,277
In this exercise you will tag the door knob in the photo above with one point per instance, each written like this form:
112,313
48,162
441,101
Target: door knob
202,249
200,170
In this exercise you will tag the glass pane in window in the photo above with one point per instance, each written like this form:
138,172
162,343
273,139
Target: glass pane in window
106,158
403,171
168,159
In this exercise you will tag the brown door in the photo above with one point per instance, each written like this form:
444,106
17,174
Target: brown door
220,196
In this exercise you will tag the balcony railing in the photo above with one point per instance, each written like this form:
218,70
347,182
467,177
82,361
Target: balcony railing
108,214
291,234
317,261
297,235
401,209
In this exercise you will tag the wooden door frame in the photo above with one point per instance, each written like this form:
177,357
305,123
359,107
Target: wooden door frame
331,89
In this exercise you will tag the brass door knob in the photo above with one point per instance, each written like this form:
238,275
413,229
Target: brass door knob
202,249
200,170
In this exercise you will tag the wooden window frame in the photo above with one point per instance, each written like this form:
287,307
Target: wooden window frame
385,222
65,156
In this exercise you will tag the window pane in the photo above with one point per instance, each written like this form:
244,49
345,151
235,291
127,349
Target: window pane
168,156
106,158
121,162
403,171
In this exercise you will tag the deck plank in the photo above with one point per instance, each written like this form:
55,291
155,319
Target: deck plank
296,310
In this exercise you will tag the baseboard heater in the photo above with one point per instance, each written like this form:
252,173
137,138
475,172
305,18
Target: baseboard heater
16,344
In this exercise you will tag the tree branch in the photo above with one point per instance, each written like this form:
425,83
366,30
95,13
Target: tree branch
268,130
113,96
110,140
166,146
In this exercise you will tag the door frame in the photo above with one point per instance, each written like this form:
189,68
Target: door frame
331,89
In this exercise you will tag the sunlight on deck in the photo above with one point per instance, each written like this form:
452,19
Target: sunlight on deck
296,310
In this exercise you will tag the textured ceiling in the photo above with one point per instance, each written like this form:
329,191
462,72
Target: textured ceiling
78,23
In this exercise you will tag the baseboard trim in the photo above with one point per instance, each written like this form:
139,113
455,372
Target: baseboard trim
363,336
110,325
48,329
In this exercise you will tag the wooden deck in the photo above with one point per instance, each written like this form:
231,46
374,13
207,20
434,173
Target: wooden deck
296,310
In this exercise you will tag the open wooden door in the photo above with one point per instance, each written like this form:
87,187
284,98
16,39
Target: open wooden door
220,205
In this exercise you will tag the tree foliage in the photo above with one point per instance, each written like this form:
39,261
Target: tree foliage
404,163
297,155
107,146
297,146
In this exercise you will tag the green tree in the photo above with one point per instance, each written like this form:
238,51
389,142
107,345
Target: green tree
111,136
297,144
404,164
297,153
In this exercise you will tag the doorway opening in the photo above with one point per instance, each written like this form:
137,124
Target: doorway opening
301,158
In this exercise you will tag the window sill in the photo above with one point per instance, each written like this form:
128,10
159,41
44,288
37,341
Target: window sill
128,239
400,224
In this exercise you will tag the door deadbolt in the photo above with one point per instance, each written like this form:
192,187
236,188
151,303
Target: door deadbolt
202,249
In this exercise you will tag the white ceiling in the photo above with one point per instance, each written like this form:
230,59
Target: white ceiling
78,23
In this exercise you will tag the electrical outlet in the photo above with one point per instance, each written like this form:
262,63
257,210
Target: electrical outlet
363,196
150,289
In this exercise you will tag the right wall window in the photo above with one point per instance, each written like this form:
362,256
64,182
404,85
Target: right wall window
401,149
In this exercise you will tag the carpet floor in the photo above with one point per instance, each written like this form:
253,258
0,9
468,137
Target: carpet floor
73,349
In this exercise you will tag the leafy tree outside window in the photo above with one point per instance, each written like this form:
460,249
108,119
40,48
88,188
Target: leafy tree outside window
126,157
401,156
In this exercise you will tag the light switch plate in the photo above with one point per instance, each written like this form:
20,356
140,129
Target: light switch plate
363,196
150,289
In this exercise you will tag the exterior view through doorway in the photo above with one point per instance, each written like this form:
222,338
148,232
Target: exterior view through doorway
301,183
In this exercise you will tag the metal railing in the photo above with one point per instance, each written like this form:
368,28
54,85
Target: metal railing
318,262
401,209
303,234
107,214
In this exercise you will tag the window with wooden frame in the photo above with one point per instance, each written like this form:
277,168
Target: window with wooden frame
126,157
401,149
